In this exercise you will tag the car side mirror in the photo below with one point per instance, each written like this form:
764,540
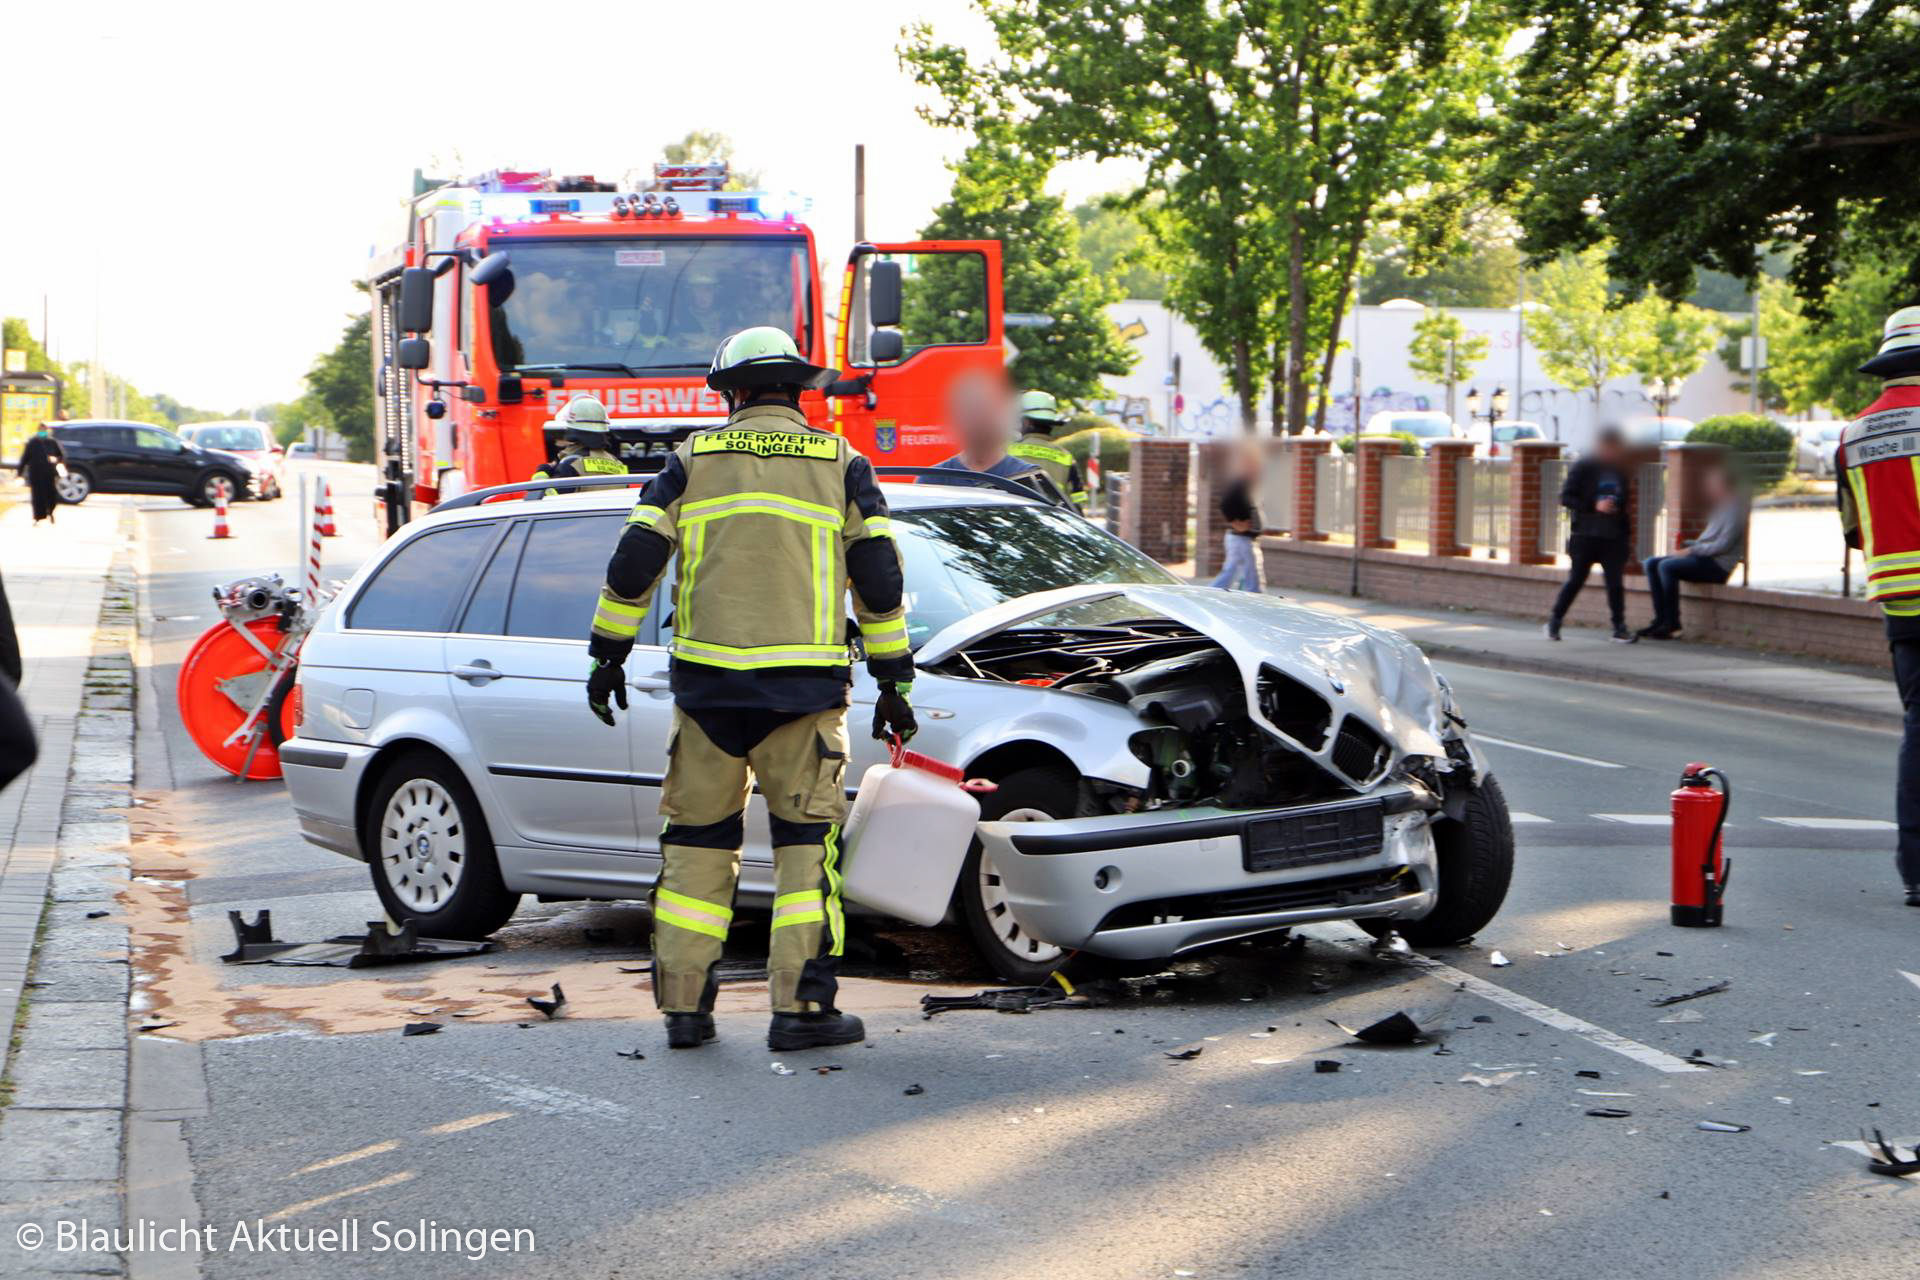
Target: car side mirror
883,294
886,346
416,300
412,353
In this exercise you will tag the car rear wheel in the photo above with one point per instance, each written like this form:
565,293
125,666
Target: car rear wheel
74,486
427,846
1475,857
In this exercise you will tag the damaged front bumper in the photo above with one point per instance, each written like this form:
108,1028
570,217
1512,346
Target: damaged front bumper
1147,885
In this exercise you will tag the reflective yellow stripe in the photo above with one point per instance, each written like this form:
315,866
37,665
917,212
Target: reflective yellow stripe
879,527
690,913
747,651
795,655
788,899
836,918
765,504
806,907
1907,607
1041,453
820,635
614,627
1857,478
645,514
672,916
805,917
887,637
1892,560
717,913
620,608
683,619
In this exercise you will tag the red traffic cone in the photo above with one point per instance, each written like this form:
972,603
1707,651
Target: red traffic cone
324,517
220,529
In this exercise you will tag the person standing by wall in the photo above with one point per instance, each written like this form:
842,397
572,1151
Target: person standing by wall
41,461
1880,515
1242,517
17,747
1595,496
1711,558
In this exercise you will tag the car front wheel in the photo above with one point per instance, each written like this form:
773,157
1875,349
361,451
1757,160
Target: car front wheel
427,846
210,488
1475,857
74,486
1016,956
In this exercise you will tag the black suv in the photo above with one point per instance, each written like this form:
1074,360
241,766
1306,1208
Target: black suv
135,457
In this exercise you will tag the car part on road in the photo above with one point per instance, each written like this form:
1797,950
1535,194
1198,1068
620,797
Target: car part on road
1890,1162
1713,990
1609,1113
1060,993
255,944
1327,1066
551,1008
1721,1126
1396,1029
420,1029
1700,865
1187,1055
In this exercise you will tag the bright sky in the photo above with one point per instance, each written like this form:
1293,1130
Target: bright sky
215,173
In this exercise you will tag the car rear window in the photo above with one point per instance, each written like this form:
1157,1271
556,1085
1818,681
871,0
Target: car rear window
419,586
561,572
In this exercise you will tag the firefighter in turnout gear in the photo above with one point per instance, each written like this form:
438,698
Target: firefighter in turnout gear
587,448
1039,419
767,521
1878,465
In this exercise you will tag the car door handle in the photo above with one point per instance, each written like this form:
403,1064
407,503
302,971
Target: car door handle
655,683
477,672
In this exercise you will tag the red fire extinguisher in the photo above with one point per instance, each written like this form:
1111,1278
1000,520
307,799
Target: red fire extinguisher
1699,864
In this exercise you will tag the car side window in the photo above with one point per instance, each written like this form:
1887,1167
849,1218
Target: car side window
487,611
158,441
421,584
561,572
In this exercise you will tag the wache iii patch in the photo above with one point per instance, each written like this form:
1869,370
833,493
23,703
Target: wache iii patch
768,444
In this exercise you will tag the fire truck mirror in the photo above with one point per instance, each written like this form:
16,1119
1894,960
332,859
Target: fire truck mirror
883,295
416,303
490,268
412,353
886,346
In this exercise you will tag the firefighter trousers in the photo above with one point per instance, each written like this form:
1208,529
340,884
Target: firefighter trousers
800,764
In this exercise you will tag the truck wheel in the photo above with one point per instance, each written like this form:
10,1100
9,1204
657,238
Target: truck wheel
426,843
1476,865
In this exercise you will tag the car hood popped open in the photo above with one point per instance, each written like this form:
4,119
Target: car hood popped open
1370,678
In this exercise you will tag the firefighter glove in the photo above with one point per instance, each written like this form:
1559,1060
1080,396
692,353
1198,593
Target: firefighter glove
893,713
607,680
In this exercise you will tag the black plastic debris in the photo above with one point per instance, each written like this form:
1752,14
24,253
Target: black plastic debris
1588,1075
633,1056
1188,1055
636,968
1668,954
1890,1161
1397,1028
1699,1058
1326,1066
255,944
1713,990
1609,1113
1483,1017
1006,1000
95,915
914,1090
550,1007
420,1029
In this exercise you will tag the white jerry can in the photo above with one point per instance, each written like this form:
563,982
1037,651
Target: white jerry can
906,837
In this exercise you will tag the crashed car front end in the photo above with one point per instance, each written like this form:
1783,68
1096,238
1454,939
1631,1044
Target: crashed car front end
1292,767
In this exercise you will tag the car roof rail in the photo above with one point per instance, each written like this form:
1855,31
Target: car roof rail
563,484
1034,485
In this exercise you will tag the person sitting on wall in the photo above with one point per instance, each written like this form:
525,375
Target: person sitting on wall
1711,558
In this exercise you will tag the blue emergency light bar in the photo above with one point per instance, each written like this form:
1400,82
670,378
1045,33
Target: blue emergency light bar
555,206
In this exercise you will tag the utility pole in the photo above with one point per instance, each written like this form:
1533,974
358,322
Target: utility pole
1759,360
1520,345
1453,346
856,306
1357,423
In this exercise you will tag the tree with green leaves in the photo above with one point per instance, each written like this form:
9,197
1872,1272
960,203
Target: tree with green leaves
1690,135
338,381
1813,362
1443,351
1477,267
1670,341
999,193
1118,247
1584,341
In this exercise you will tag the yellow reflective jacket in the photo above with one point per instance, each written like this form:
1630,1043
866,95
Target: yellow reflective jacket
1038,448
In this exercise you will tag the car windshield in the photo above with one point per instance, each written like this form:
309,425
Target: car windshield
1423,427
960,560
229,437
654,305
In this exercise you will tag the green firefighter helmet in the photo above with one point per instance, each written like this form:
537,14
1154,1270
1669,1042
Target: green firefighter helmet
764,356
584,421
1040,407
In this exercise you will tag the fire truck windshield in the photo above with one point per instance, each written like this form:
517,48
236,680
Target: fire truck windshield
646,305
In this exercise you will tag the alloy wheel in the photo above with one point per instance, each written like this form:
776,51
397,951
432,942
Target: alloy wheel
999,911
423,845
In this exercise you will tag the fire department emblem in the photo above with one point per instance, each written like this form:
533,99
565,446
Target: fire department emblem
885,436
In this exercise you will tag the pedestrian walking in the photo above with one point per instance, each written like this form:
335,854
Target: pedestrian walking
41,463
1880,515
17,747
1710,558
1242,568
769,522
1595,496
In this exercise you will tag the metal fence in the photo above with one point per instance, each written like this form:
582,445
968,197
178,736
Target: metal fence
1334,475
1482,503
1404,491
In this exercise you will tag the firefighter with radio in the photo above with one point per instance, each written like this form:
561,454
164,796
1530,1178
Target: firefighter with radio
1039,419
768,521
1878,466
586,447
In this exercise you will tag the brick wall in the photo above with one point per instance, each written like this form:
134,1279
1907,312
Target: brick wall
1154,517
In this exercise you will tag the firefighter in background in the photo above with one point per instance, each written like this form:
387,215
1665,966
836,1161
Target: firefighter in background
587,445
1039,419
769,521
1878,465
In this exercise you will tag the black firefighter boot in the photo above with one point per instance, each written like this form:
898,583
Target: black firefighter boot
689,1030
814,1030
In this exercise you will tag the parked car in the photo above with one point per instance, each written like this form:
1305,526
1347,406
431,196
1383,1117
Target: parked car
1424,426
1814,446
1653,429
137,457
252,442
1177,766
302,449
1496,440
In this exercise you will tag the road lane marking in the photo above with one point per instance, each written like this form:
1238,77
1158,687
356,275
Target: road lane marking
1546,751
1835,824
1646,1055
1636,819
391,1180
1521,819
471,1122
334,1162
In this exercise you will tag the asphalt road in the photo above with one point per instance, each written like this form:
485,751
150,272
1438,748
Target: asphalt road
1067,1143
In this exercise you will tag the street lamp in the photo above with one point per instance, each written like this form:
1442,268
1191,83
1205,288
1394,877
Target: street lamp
1664,392
1496,406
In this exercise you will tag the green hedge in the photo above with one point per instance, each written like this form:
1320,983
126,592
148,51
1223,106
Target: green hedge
1115,443
1762,450
1409,443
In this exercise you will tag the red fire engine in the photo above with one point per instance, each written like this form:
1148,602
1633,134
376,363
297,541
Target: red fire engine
516,291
